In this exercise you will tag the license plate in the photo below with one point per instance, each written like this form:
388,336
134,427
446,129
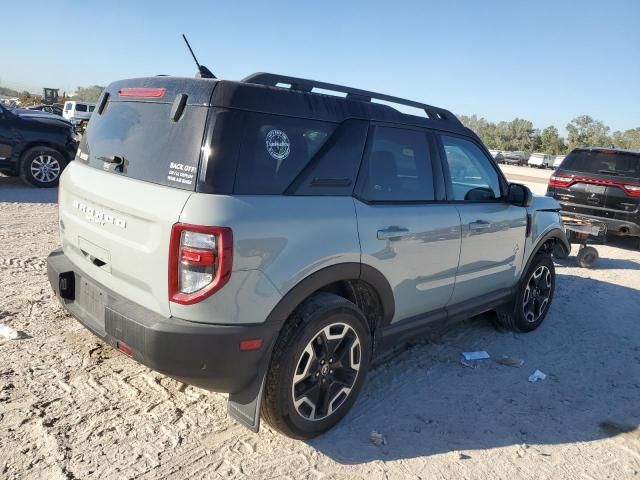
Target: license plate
93,301
597,189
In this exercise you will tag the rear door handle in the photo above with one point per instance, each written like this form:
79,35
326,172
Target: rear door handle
479,225
393,232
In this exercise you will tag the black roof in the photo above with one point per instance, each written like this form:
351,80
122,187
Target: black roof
292,96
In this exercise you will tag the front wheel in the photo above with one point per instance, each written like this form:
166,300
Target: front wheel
318,367
532,301
42,166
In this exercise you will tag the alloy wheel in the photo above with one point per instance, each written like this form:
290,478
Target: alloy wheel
326,371
45,168
536,294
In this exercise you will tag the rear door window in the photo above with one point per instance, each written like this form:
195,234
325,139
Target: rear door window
397,167
139,140
274,151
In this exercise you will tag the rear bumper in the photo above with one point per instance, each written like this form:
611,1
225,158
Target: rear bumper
204,355
615,226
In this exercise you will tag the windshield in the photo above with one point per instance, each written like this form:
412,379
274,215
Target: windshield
605,162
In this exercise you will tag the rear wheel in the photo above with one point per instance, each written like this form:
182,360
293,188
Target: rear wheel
42,166
318,367
533,299
587,257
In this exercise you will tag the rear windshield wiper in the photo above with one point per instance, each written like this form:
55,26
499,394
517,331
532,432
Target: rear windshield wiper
609,172
115,159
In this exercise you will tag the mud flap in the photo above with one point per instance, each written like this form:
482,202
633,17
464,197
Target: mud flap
244,406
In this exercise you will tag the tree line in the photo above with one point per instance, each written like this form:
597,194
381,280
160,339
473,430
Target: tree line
519,134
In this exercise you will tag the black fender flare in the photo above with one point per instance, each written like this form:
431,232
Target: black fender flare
244,406
329,275
555,233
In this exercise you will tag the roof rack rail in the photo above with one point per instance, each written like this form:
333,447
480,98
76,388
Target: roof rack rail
304,85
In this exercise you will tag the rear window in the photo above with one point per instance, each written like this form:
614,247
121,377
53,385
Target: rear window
274,151
604,163
68,107
139,140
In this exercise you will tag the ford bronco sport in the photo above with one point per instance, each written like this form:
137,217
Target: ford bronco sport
261,238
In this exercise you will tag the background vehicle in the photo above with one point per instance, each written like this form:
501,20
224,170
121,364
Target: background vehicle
516,158
36,145
77,112
268,241
55,109
497,155
540,160
601,184
558,160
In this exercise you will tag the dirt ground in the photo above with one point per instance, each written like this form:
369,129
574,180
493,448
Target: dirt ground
73,408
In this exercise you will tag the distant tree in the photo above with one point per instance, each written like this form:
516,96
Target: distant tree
88,94
9,92
551,142
629,139
584,131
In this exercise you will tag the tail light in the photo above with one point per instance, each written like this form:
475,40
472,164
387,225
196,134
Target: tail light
200,260
565,181
559,181
632,190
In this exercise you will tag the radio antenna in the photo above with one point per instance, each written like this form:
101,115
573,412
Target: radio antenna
203,72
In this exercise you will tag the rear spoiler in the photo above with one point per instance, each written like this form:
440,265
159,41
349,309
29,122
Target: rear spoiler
161,89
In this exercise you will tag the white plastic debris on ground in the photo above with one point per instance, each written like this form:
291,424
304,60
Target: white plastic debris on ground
377,438
8,332
482,355
537,375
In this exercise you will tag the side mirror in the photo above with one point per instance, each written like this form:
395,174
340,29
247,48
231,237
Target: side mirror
519,195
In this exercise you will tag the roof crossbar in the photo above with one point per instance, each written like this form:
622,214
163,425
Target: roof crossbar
304,85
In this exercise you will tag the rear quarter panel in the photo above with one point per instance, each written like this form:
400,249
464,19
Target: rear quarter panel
278,241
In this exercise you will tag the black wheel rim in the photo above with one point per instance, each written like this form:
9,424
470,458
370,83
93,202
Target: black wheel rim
536,294
326,372
45,168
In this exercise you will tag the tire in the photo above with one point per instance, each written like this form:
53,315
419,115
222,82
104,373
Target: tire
587,257
42,167
527,312
559,252
302,366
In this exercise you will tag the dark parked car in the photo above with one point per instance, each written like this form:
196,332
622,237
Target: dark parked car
515,158
35,145
55,109
602,184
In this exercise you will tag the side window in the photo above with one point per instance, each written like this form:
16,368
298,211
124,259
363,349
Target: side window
81,107
275,150
472,175
397,166
91,108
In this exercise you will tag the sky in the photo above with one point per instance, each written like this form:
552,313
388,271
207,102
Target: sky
546,61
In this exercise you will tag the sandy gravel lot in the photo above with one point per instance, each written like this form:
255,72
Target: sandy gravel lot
73,408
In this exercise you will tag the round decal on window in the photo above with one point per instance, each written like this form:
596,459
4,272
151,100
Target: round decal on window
278,144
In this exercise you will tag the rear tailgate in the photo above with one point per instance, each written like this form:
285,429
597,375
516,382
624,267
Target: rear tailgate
136,167
599,182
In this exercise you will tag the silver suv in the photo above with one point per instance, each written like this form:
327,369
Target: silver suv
263,239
